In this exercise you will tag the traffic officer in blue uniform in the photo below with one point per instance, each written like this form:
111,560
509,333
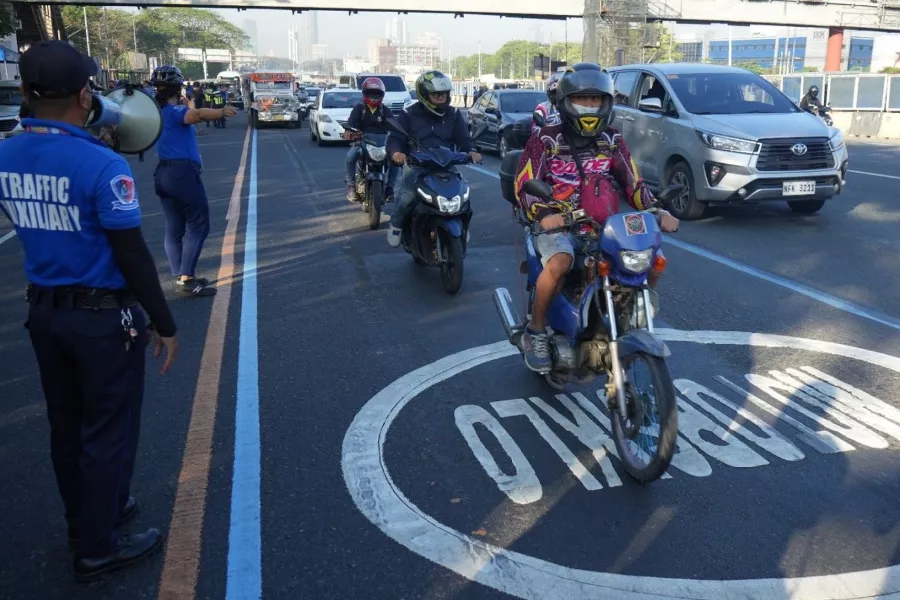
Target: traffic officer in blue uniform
74,206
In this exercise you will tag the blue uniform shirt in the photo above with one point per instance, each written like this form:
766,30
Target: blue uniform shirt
62,189
177,140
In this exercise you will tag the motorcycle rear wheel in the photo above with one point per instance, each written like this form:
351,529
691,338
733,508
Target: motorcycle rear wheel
375,200
639,418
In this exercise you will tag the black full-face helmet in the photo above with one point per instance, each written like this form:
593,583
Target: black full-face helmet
813,91
552,84
434,82
585,121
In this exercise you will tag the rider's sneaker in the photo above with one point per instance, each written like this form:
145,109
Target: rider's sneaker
537,351
351,192
393,236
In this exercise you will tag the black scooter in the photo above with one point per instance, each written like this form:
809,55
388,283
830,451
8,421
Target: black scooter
436,233
822,113
371,173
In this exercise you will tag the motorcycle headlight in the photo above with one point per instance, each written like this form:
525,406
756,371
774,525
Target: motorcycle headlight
377,153
636,261
449,205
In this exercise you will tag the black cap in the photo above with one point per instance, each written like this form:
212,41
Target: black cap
55,69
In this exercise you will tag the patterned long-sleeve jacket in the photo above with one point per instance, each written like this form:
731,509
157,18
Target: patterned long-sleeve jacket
608,168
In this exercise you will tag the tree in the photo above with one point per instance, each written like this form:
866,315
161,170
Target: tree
159,32
7,20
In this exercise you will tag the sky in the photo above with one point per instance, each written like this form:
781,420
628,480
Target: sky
348,35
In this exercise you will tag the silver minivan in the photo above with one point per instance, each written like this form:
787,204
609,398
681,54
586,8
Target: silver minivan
727,135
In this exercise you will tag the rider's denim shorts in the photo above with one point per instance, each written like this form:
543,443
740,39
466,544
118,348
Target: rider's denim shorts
554,243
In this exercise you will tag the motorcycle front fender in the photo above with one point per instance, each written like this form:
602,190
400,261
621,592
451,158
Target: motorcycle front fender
452,226
641,340
375,175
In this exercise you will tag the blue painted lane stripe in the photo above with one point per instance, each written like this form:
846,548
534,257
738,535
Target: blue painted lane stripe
244,574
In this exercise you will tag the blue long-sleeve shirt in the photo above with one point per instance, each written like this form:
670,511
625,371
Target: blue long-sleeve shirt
431,130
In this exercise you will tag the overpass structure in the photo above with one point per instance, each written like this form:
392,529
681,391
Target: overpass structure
835,15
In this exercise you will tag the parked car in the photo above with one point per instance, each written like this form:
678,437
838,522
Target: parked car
10,102
501,110
329,114
727,135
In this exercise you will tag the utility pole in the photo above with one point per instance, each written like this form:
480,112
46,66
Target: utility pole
87,32
134,31
479,61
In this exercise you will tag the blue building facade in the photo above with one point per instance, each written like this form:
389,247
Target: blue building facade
761,51
765,53
859,54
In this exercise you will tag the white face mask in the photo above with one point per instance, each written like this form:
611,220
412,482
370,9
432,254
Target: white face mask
585,110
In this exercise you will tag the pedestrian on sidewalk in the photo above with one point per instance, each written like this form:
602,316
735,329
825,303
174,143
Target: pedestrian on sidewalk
465,96
89,273
177,180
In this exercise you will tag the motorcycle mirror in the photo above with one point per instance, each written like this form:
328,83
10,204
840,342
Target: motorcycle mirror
535,187
479,131
538,119
669,192
396,127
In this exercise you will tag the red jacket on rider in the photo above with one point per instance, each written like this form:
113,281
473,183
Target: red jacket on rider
608,168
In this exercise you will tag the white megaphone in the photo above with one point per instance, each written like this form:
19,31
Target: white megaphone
134,116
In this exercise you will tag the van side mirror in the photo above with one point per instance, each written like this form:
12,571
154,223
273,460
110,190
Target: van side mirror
650,105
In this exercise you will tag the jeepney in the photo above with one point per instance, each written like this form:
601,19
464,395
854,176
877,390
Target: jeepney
272,99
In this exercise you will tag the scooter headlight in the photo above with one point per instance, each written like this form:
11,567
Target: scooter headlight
637,261
376,153
449,205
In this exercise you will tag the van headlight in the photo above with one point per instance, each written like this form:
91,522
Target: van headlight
837,140
636,261
728,144
449,205
377,153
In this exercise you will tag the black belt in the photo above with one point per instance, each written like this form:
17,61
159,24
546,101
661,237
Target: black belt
165,162
78,297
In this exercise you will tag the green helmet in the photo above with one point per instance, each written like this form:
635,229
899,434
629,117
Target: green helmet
430,82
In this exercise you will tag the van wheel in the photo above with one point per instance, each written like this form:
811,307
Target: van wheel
810,207
685,206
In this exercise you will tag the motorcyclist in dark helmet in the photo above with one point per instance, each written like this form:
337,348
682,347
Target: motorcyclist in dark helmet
547,109
431,122
811,100
588,165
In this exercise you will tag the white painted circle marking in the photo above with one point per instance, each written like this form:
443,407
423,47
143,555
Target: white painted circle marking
379,499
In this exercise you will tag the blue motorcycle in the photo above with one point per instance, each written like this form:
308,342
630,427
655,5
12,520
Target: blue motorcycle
436,232
601,324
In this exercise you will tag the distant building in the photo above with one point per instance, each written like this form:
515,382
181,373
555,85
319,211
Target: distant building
252,34
319,52
785,54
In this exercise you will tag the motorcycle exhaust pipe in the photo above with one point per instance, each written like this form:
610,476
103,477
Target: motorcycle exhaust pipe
506,310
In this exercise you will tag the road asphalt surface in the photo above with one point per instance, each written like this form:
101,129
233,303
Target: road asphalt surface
358,433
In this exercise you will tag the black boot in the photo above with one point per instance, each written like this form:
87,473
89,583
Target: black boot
129,549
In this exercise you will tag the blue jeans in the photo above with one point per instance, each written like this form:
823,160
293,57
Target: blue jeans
183,199
352,161
407,196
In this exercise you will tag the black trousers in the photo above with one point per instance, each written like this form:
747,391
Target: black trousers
94,388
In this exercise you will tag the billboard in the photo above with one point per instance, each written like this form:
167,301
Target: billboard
223,56
190,54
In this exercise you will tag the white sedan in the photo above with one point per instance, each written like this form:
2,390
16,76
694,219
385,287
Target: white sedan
330,113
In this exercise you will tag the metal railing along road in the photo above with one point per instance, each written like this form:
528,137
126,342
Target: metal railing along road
840,91
845,91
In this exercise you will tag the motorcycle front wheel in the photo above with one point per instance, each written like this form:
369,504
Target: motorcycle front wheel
646,439
452,267
376,199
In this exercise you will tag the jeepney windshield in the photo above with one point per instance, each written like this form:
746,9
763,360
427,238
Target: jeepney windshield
274,85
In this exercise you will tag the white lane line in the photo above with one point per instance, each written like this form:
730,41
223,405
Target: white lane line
873,174
8,236
790,284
